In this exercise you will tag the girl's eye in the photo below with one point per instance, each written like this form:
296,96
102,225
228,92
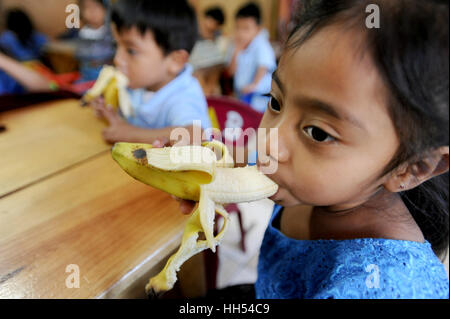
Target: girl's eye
274,104
318,135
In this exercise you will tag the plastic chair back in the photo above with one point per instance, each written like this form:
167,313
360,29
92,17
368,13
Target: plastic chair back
236,120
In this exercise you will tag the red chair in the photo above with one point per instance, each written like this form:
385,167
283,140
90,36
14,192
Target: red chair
226,113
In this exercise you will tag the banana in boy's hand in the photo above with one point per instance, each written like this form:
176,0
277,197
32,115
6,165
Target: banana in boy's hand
112,84
193,173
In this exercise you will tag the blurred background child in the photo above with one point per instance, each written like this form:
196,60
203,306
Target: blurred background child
15,78
213,21
94,41
208,57
20,40
253,59
95,47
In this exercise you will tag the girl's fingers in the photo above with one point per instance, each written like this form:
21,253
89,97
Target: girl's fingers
186,207
161,142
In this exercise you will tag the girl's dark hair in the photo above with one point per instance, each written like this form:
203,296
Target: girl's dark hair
173,23
217,14
18,22
410,49
250,10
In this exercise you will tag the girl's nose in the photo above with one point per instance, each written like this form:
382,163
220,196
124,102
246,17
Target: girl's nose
283,150
276,145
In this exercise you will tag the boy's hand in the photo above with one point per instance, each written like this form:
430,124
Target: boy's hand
118,129
97,105
186,206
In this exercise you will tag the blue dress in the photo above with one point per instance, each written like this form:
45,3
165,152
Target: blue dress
347,269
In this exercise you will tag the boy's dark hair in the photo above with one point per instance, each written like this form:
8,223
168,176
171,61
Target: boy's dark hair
250,10
173,23
217,14
20,23
410,50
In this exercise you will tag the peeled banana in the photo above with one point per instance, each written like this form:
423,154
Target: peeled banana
112,84
194,173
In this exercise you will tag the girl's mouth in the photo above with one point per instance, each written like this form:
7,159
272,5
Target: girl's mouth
274,197
270,176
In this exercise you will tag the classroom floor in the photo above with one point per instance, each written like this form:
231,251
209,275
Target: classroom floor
237,267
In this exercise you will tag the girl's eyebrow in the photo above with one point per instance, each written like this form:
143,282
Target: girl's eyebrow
277,80
319,105
329,109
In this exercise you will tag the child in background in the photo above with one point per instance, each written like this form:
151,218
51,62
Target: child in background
154,39
95,46
253,59
209,54
363,155
15,78
20,41
212,24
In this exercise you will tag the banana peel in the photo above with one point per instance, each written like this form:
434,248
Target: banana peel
204,174
112,85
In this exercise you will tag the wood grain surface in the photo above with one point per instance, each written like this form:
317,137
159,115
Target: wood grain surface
93,216
44,139
66,202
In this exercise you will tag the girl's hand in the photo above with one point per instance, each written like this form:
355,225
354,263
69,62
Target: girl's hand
186,206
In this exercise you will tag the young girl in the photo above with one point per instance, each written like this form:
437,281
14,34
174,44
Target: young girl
362,118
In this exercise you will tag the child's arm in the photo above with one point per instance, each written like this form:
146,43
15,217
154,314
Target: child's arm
231,70
260,73
29,79
238,47
120,131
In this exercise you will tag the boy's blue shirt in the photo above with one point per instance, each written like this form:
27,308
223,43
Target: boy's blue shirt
362,268
258,54
177,104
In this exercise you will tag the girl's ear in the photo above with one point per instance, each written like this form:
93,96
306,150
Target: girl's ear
409,176
177,60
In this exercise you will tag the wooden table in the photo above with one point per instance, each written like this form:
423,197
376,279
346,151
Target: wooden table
64,201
